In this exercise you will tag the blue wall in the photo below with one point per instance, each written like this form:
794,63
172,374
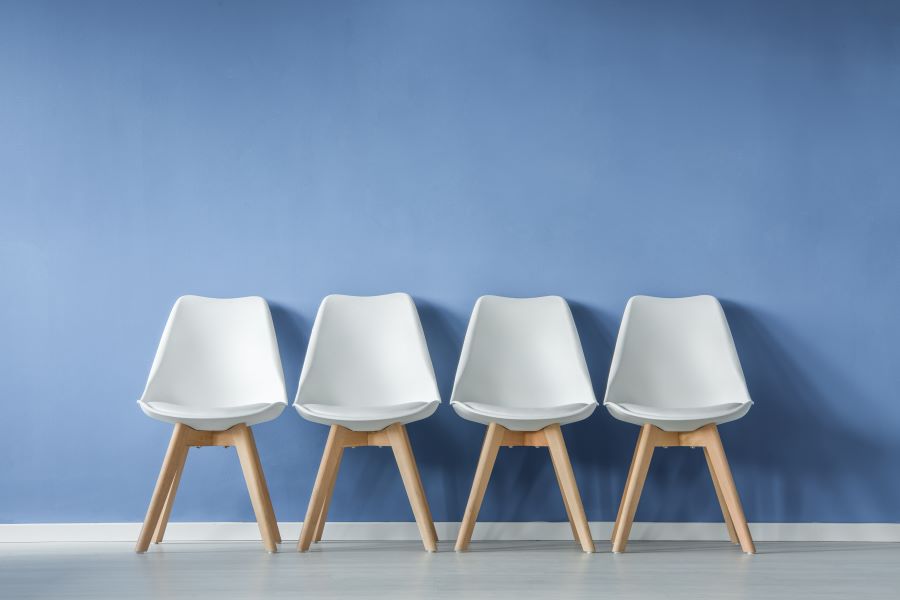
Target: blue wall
594,150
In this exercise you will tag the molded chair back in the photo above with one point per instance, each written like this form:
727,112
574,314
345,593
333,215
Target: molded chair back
675,373
522,370
522,353
367,374
367,351
675,353
217,353
217,372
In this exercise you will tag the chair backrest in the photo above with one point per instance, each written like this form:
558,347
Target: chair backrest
675,352
367,351
522,352
217,352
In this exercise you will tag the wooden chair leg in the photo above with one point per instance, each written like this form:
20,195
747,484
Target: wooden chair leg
431,526
489,450
635,484
732,534
327,469
732,500
622,500
167,473
160,532
323,515
412,482
267,499
565,503
256,485
569,487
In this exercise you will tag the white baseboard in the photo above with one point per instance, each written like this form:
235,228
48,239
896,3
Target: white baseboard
195,532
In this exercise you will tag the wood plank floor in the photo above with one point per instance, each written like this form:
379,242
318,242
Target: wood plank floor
495,570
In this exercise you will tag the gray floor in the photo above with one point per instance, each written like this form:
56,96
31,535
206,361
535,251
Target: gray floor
371,570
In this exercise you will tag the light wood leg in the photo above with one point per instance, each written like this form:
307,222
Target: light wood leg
259,496
327,469
431,526
622,501
732,500
569,487
163,486
635,484
732,534
323,516
409,473
170,498
489,450
267,499
565,503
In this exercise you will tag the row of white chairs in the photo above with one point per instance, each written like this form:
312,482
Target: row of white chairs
367,374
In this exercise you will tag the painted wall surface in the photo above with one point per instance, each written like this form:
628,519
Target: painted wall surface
594,150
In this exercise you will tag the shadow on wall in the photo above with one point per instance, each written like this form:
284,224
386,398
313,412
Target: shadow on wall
441,437
599,449
281,441
793,453
292,331
794,449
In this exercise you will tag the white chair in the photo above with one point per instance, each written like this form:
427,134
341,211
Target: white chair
216,373
675,372
522,373
367,373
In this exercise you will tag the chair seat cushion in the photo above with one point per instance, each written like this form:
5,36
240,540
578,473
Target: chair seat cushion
214,418
523,418
367,418
678,419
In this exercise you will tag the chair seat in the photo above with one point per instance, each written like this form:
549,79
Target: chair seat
367,418
678,419
523,418
216,418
